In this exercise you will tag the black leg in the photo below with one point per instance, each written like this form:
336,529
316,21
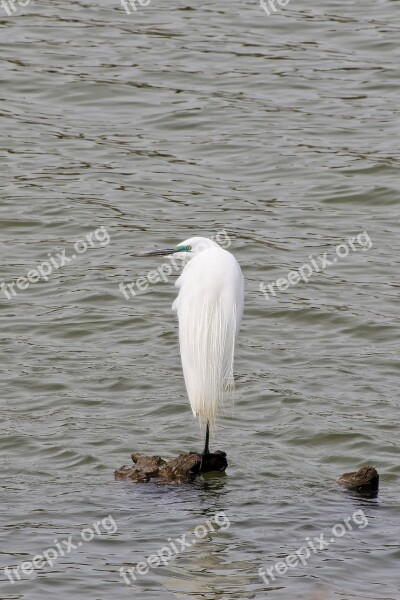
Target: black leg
206,450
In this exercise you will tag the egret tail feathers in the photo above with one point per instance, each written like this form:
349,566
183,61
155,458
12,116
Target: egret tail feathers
207,351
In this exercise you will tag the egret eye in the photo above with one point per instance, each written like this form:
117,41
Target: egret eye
188,248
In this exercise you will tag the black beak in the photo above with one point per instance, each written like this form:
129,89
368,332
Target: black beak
158,252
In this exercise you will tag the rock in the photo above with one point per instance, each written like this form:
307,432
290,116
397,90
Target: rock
182,469
364,482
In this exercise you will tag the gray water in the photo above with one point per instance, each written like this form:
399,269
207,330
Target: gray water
280,134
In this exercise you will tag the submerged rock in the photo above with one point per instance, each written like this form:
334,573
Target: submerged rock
365,481
182,469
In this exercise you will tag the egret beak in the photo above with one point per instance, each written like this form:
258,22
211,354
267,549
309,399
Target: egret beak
158,252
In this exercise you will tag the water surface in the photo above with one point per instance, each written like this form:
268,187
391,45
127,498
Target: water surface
186,119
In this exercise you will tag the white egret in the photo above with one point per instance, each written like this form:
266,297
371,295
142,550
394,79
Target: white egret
209,307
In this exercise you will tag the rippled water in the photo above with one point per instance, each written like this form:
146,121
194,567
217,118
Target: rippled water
186,119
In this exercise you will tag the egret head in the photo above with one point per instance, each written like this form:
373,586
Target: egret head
187,249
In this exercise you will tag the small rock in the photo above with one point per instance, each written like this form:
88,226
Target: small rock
182,469
365,481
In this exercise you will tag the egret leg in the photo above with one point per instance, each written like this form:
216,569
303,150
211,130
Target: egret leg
206,449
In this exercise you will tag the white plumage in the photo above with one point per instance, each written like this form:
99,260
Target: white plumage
209,307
